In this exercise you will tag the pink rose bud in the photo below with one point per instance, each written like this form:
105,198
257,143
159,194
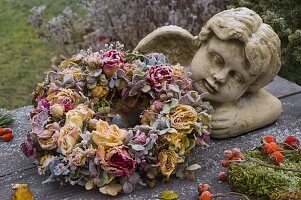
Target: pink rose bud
112,60
158,105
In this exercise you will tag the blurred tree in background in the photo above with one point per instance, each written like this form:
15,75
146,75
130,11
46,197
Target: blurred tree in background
285,18
102,21
69,25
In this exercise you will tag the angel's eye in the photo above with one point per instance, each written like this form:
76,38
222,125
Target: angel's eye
216,59
237,76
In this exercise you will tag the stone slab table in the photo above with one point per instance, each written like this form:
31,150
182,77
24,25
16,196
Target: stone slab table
15,168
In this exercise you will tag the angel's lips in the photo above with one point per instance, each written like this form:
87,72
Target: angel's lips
205,86
210,88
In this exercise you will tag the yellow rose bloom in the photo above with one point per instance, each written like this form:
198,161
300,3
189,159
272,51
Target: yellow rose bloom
183,118
57,110
108,135
73,117
84,112
63,95
99,91
69,137
168,161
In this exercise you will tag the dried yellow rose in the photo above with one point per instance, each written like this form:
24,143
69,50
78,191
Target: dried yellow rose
108,135
183,117
168,161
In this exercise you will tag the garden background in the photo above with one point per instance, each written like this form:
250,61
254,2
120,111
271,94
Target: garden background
33,40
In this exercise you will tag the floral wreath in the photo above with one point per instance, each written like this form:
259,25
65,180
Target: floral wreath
84,124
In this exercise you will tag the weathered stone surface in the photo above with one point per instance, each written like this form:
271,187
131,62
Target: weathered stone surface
281,87
12,159
15,168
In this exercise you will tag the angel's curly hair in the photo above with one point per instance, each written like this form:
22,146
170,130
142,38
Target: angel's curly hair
262,44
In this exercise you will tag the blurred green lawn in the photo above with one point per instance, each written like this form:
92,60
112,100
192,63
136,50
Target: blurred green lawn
24,58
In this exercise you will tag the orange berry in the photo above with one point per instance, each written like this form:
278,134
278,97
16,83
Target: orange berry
267,148
1,131
275,147
223,176
228,154
225,163
239,156
236,151
204,187
206,196
7,137
268,139
277,157
292,141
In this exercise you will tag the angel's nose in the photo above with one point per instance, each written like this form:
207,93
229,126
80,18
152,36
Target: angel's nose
221,76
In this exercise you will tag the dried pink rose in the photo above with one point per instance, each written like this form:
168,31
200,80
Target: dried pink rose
48,131
159,74
47,139
43,104
140,137
28,148
112,60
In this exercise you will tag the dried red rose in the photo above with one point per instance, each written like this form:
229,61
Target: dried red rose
119,162
112,60
157,75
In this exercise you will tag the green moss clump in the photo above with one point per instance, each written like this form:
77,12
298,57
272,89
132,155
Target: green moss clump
286,196
6,118
260,181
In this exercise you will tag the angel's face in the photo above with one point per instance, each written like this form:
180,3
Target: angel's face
219,68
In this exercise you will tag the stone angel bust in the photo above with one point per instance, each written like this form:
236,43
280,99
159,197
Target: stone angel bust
233,58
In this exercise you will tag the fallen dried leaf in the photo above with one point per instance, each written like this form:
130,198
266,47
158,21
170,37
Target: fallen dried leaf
21,192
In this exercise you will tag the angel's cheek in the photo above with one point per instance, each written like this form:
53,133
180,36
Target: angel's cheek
200,65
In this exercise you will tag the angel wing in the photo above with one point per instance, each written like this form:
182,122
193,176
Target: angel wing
176,43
